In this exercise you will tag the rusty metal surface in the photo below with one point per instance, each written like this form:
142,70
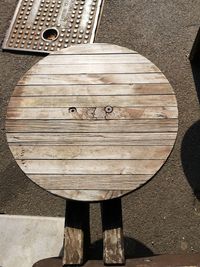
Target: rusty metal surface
156,261
50,25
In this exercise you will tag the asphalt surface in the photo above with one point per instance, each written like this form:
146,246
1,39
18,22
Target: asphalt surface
164,215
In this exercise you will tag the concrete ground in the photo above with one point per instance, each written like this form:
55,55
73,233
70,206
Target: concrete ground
36,238
164,215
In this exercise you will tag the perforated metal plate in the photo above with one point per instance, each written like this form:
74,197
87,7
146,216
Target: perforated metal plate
50,25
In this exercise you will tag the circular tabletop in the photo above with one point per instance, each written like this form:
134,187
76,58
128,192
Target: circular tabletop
92,122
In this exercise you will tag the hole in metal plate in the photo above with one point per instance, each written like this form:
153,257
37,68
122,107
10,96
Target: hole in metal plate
50,34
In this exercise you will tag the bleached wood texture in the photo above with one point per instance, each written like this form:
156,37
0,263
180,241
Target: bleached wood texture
92,122
94,79
89,152
95,139
113,239
116,89
73,182
76,234
101,48
123,58
100,126
99,69
97,113
66,102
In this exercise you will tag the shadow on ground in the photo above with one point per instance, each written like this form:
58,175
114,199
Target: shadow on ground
133,249
190,155
195,65
190,151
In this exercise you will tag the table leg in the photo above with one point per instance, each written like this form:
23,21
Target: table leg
113,240
77,233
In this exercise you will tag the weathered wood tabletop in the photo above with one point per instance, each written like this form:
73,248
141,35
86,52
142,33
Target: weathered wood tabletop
92,122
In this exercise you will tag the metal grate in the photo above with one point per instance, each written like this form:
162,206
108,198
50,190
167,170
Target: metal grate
50,25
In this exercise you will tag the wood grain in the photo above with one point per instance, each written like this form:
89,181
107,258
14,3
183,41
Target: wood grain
76,233
92,139
113,239
89,152
131,113
100,48
93,69
95,79
93,101
89,182
88,89
89,195
92,122
88,167
102,58
100,126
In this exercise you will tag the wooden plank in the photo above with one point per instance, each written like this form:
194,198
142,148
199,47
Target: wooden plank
94,79
90,166
90,113
95,48
92,69
89,195
89,152
89,182
94,101
85,126
67,90
76,233
105,139
113,239
94,59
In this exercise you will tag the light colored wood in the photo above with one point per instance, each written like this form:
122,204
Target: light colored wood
113,252
93,69
89,90
92,122
100,48
100,126
89,195
89,167
92,79
93,139
123,58
90,182
89,152
73,246
89,113
93,101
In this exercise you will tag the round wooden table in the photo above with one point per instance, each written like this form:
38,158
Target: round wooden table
92,122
